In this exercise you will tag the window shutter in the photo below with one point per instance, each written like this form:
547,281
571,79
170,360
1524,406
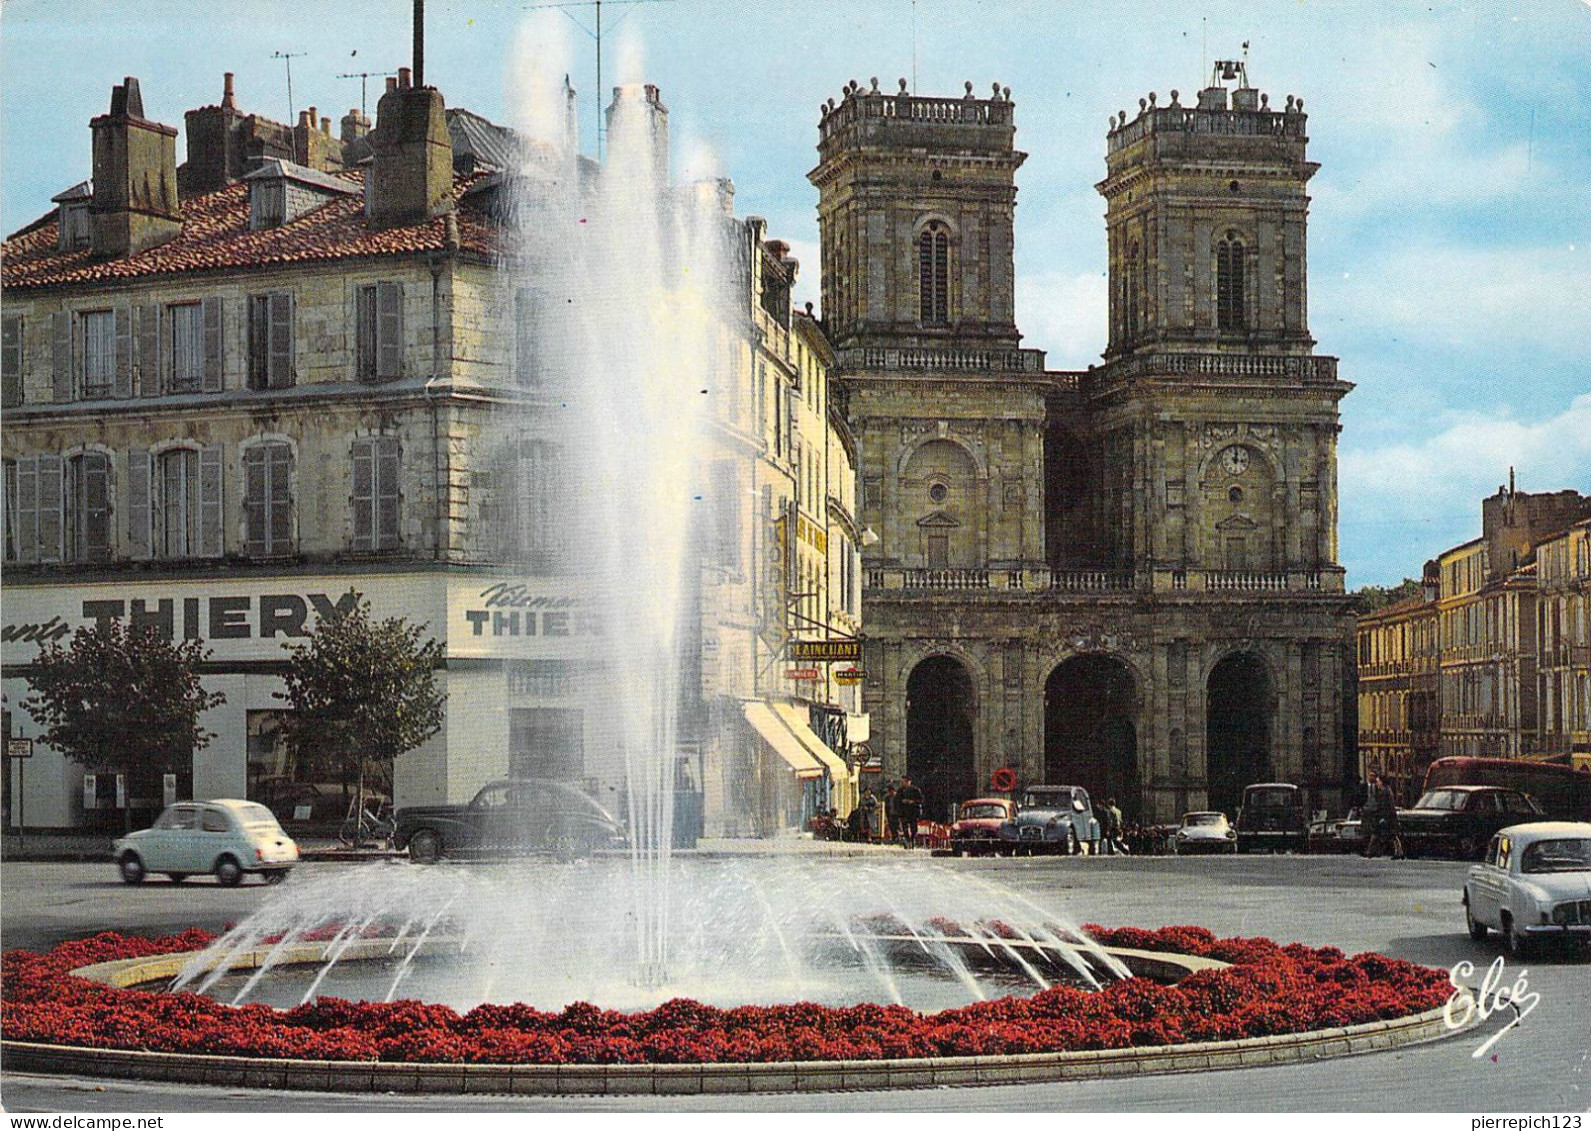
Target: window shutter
389,330
365,333
27,503
49,509
210,502
61,374
149,349
280,528
94,474
138,476
280,364
387,493
122,370
256,480
213,352
11,362
364,495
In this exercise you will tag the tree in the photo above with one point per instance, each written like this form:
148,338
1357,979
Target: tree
362,692
124,700
1372,598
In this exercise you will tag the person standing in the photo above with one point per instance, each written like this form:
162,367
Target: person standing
1112,831
891,812
1378,819
869,809
909,806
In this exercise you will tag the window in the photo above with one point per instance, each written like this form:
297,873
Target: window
1131,282
933,261
187,504
527,361
726,515
187,348
271,341
87,508
375,498
938,545
11,361
267,503
99,353
1230,292
380,331
541,678
532,489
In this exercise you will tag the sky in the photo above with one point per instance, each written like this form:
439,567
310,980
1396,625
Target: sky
1450,229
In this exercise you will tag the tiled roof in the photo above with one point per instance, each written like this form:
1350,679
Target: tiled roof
216,236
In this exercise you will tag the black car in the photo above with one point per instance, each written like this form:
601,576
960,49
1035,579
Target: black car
1462,819
506,818
1273,817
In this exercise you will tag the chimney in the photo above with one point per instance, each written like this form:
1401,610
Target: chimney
215,157
354,126
638,132
135,177
411,177
227,100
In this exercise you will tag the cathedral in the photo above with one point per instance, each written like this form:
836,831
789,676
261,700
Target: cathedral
1124,578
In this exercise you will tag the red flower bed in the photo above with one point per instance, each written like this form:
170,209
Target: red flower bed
1269,989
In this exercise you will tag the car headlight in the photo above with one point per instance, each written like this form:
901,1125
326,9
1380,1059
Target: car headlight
1565,913
1231,835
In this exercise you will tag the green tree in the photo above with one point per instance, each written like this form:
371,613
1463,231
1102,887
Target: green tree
362,692
125,700
1371,598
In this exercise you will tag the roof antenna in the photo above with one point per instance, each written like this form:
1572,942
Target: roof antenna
362,76
289,56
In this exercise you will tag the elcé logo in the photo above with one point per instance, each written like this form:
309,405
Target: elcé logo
1465,1004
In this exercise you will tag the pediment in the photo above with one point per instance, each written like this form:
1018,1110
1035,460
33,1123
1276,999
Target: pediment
1237,524
938,519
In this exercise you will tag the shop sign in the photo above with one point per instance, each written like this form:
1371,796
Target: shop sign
802,673
848,676
826,651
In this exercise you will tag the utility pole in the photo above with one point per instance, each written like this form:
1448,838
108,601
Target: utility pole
288,57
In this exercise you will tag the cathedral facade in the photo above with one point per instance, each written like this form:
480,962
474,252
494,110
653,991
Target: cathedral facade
1124,578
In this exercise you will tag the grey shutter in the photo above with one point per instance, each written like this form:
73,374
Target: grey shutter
122,370
94,498
11,362
255,500
49,509
280,335
27,519
138,476
210,544
61,374
364,494
213,343
280,528
387,493
149,383
389,330
365,333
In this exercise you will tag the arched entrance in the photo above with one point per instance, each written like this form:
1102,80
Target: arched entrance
1091,730
1237,729
939,725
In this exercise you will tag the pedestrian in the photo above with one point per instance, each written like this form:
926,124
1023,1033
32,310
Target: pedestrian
1379,819
1112,829
869,808
891,812
909,804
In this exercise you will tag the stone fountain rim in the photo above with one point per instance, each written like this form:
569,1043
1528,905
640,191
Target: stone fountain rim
697,1079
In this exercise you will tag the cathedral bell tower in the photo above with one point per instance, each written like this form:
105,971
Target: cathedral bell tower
1205,216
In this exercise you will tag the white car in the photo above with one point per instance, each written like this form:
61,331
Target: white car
1204,832
227,838
1533,883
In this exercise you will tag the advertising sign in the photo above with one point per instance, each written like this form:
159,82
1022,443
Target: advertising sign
826,651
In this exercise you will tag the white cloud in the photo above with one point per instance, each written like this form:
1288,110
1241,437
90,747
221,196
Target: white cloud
1063,314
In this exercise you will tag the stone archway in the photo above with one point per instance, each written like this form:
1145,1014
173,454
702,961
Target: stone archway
1091,730
1237,728
940,754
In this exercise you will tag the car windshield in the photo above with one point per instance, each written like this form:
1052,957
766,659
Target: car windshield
976,812
1203,820
1450,799
257,817
1046,799
1272,798
1571,854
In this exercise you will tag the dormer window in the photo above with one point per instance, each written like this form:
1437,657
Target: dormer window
280,192
72,229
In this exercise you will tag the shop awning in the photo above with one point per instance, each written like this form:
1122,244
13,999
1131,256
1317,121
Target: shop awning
779,736
796,719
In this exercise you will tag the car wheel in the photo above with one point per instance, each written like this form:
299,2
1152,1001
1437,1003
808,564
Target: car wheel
1477,930
1517,941
276,875
425,847
228,872
176,877
132,869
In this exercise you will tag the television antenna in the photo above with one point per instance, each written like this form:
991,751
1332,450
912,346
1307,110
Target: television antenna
288,57
596,35
364,77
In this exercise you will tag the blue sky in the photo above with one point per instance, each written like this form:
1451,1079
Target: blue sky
1450,234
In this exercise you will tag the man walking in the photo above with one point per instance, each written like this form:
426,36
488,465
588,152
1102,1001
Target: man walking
909,808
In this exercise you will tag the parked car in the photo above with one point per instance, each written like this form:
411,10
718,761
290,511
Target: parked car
1533,884
1051,819
976,830
1337,835
1273,817
227,838
1462,819
509,817
302,803
1204,832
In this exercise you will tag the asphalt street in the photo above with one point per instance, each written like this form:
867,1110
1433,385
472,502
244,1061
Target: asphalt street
1409,909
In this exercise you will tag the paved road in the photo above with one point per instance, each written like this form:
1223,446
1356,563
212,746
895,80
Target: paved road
1409,909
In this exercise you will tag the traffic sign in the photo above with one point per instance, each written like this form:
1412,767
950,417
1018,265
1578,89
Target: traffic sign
19,748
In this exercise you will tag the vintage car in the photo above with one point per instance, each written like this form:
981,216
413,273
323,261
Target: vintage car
1462,819
1533,884
1204,832
509,817
1273,818
1337,835
976,831
226,838
1051,819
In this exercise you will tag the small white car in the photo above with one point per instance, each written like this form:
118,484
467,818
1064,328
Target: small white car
1533,883
226,838
1204,832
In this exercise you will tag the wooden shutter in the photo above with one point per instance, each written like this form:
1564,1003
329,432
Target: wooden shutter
365,333
389,330
280,527
49,503
27,503
210,542
93,473
214,354
122,369
149,383
11,362
280,336
138,513
267,504
256,500
364,495
61,373
387,493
